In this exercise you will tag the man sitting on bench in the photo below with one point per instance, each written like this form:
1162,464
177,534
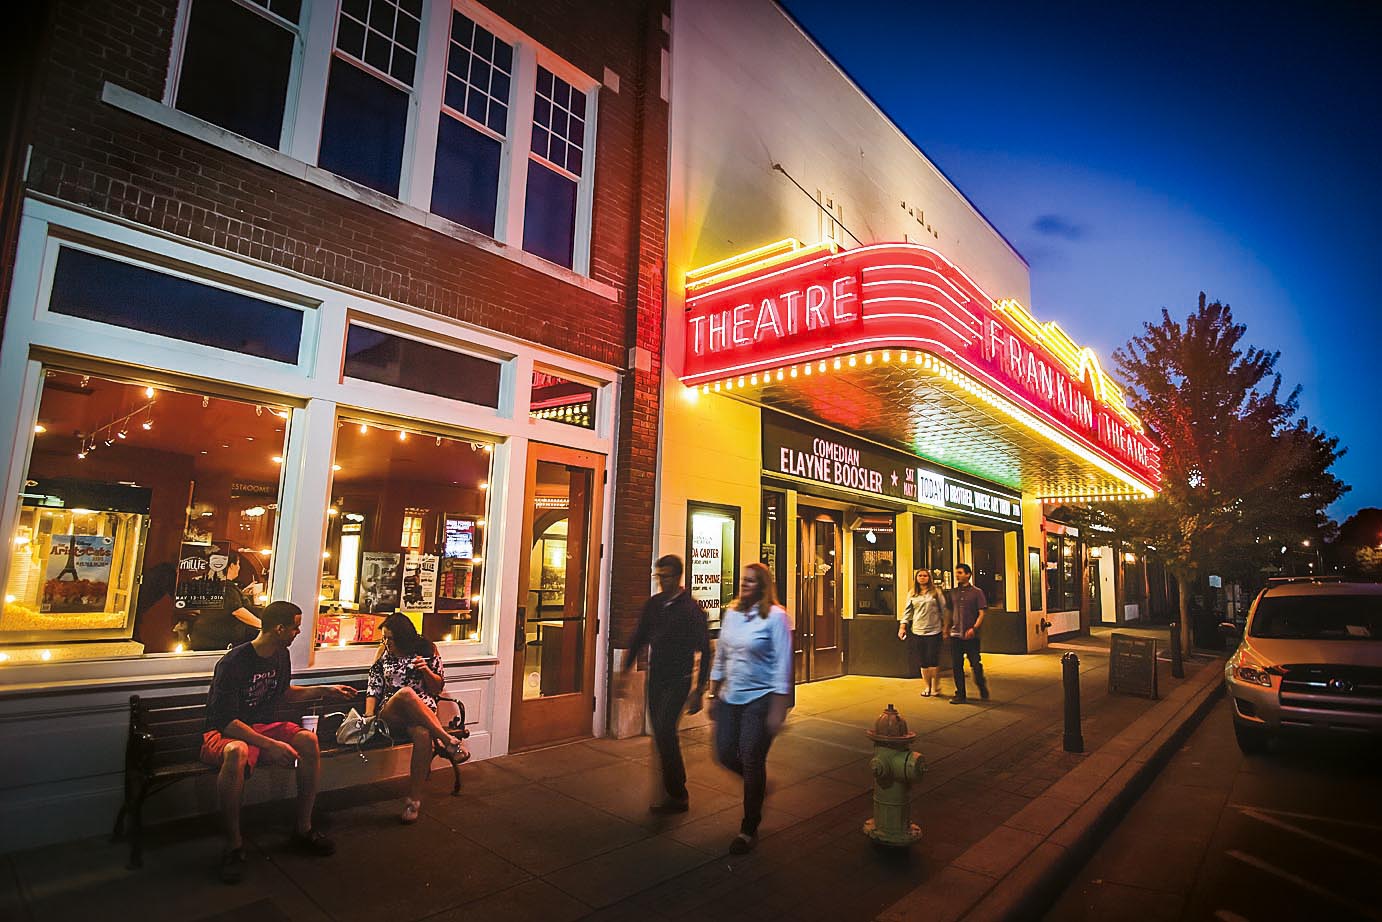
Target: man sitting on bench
249,684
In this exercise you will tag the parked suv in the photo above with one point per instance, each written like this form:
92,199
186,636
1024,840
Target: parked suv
1310,659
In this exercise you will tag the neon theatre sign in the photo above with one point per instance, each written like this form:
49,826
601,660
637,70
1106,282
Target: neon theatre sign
783,309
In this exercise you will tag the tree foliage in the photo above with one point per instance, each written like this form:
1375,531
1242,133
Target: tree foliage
1242,472
1357,548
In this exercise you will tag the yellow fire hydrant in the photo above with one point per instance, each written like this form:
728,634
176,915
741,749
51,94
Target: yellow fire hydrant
895,768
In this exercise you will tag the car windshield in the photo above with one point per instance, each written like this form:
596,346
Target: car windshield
1319,617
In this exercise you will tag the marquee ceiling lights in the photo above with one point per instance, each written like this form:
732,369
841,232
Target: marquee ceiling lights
784,313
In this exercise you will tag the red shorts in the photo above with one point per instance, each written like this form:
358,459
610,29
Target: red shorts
214,744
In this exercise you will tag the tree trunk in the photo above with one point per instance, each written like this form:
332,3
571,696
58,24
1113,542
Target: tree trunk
1183,585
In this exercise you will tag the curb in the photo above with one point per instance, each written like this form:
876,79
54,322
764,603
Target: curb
1017,871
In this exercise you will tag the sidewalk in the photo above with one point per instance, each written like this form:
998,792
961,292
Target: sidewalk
564,833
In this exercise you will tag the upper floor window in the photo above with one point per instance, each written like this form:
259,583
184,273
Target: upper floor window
484,128
473,126
369,91
237,63
554,169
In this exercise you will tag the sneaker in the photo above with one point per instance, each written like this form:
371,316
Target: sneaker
233,866
312,843
411,809
984,693
959,700
669,806
742,844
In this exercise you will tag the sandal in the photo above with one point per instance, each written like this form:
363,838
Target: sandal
455,751
926,693
410,811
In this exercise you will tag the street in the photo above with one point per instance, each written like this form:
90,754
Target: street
1289,835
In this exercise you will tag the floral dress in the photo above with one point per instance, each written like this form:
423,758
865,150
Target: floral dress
390,673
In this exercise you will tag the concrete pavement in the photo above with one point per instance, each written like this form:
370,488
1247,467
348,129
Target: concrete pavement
564,833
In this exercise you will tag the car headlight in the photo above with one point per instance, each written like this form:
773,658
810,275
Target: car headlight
1251,672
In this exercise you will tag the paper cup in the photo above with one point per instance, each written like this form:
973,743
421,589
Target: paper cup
309,722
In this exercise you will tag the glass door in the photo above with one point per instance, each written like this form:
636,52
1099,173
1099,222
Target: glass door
554,639
819,633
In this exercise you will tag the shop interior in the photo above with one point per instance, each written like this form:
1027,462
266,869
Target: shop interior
134,498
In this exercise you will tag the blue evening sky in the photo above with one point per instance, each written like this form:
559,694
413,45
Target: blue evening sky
1139,153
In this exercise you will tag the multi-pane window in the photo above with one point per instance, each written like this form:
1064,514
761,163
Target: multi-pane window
1062,567
237,63
473,125
554,169
365,122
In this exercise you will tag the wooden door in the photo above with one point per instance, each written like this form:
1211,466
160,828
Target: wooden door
558,585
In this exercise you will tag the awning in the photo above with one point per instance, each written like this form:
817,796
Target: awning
895,343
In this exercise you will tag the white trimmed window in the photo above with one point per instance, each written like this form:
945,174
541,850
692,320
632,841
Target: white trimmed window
439,104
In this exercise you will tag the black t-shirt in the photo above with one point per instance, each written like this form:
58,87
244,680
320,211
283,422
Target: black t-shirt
675,628
216,630
247,687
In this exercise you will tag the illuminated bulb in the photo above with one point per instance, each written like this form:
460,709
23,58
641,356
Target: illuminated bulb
321,598
887,356
753,379
179,648
81,455
326,555
741,380
402,435
821,366
868,358
9,599
364,428
837,364
333,511
148,392
489,448
335,467
4,657
705,388
473,635
807,369
46,655
265,551
477,560
717,387
484,485
729,385
277,459
794,371
341,642
447,638
122,434
902,356
779,374
852,362
146,425
39,429
917,358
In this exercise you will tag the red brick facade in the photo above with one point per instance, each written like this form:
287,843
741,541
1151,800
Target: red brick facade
91,154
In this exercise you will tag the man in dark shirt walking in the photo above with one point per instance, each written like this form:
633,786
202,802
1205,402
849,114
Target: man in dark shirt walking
967,604
249,684
674,626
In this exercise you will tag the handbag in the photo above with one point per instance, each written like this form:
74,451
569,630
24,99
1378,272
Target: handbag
357,731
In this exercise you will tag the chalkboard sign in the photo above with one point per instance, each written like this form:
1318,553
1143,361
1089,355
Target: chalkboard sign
1132,666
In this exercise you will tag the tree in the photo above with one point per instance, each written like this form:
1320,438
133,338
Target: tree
1242,473
1358,547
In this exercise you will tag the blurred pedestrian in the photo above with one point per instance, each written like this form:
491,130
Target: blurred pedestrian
750,685
967,604
921,623
674,627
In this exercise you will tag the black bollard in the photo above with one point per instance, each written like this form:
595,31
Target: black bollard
1177,664
1070,678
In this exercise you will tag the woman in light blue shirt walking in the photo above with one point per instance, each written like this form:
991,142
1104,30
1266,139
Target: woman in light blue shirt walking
749,688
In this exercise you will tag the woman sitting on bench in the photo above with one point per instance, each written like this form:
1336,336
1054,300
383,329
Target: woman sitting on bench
404,683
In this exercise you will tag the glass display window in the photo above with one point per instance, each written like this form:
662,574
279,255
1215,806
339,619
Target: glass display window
1062,566
712,557
875,577
405,532
146,520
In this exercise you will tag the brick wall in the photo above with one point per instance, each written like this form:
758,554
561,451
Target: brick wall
91,154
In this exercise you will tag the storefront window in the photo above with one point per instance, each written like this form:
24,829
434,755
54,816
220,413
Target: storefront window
1062,566
404,532
712,557
931,550
145,515
772,550
875,546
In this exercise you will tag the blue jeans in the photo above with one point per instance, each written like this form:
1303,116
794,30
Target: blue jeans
959,649
741,744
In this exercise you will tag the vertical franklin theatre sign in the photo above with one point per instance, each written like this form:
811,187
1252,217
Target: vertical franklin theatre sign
783,310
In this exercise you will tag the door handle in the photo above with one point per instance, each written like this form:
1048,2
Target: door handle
520,633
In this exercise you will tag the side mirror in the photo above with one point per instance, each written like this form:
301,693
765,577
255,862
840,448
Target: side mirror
1230,630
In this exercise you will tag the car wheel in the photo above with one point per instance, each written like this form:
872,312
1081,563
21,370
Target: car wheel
1251,740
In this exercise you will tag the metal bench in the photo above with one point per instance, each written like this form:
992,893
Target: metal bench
165,741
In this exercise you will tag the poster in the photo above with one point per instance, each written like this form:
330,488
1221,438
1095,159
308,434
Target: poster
379,581
453,585
201,576
707,563
420,582
76,577
459,538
